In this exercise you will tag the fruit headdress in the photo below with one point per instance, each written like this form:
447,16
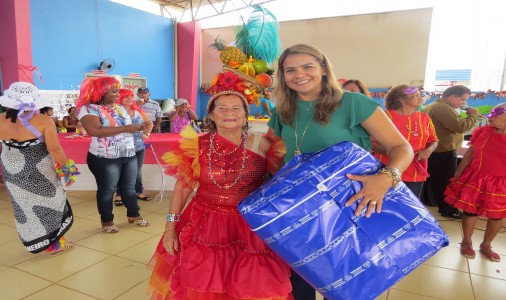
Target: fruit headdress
256,46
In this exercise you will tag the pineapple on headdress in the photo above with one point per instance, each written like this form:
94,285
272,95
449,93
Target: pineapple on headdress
257,45
229,55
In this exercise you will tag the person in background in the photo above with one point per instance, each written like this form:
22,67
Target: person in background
266,106
70,122
402,103
479,184
357,86
48,111
182,116
312,113
138,116
450,129
208,250
29,153
150,107
111,157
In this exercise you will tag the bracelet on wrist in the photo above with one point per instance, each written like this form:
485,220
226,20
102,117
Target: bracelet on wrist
393,173
68,171
173,217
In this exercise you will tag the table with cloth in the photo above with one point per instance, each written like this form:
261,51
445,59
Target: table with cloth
76,147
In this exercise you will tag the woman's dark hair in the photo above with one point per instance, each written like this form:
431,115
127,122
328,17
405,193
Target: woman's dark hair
361,86
12,114
45,109
70,109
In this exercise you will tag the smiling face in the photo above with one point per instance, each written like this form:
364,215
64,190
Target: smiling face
127,101
110,97
228,112
414,100
303,74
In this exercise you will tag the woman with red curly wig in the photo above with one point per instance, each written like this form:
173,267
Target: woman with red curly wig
111,157
126,99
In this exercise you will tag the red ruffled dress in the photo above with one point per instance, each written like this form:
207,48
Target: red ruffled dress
481,189
219,256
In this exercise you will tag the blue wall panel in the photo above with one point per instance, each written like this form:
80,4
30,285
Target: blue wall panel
71,37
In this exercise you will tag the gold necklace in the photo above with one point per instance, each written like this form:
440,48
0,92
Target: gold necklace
297,146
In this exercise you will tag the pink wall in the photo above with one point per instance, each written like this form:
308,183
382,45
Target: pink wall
188,51
15,44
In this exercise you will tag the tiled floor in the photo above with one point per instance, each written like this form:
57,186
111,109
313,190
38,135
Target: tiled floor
105,266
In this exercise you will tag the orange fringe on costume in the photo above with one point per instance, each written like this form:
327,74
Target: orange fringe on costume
184,161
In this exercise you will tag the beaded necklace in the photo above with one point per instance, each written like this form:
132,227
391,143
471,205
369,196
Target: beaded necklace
409,128
213,150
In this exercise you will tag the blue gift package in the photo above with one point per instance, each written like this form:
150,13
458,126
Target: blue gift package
300,214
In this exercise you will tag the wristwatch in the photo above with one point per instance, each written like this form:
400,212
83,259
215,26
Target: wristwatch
394,173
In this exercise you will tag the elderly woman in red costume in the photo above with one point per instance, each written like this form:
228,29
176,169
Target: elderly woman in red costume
111,157
207,250
479,184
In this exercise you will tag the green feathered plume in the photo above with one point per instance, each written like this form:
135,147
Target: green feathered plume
258,36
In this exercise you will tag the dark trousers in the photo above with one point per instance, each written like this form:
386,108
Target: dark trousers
415,187
109,173
442,167
301,290
138,182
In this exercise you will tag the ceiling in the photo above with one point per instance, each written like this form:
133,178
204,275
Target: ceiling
203,9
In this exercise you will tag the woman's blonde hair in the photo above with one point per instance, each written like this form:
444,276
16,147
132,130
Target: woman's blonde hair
328,99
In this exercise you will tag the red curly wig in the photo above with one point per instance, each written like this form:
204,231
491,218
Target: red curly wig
93,89
123,93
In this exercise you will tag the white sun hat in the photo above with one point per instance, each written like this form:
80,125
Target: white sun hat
23,96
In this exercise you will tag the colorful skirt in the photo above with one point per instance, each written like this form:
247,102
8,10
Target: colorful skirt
219,258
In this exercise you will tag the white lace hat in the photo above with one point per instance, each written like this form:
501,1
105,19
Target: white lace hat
25,96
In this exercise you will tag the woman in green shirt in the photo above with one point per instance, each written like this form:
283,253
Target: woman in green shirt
313,113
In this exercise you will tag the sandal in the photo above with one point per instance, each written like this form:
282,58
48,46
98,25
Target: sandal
111,228
145,198
59,247
139,221
466,249
490,254
118,201
65,249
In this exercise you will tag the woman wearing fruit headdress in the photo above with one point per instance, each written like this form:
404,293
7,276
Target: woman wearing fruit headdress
207,250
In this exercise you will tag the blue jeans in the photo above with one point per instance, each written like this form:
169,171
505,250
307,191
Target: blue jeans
109,173
138,182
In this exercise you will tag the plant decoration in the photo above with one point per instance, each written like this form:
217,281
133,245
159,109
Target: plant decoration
257,45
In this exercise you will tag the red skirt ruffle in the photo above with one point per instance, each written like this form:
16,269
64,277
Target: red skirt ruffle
220,258
484,195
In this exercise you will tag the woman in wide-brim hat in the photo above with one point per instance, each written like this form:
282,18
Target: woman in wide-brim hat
30,150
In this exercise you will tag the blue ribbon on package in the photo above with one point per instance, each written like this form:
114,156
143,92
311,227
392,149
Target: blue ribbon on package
300,214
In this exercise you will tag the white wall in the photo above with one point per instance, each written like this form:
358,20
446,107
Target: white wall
380,49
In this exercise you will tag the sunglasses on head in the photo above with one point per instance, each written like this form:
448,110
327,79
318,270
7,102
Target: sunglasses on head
410,90
496,112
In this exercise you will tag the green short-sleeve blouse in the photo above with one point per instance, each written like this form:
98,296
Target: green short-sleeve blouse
312,136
